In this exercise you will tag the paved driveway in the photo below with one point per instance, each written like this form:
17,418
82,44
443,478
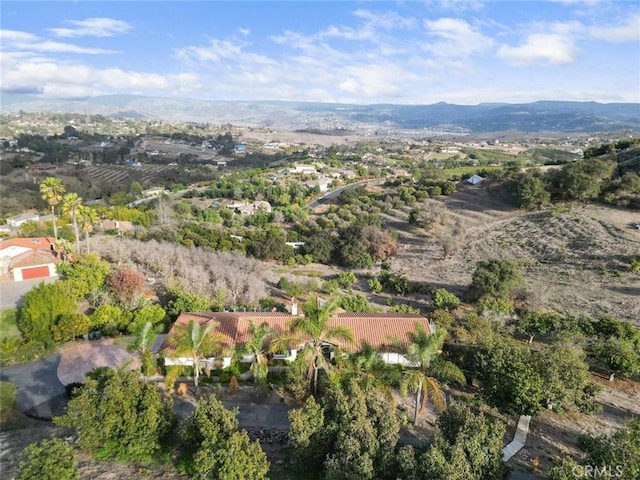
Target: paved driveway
40,393
11,293
40,384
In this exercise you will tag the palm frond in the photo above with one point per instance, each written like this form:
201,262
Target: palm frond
446,371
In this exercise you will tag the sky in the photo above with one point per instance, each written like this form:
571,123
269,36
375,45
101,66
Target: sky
363,52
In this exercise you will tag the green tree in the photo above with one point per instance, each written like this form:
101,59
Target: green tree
88,218
535,323
305,434
619,451
495,278
510,378
216,449
153,314
52,190
312,330
182,301
191,340
41,308
620,356
120,415
257,348
85,275
145,339
235,459
422,377
70,326
467,446
109,315
444,299
48,460
72,205
532,192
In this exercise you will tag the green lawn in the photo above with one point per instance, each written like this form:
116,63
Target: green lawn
8,327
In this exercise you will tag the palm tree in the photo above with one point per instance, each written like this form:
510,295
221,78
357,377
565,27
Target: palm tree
369,370
422,377
52,189
312,330
196,342
257,348
143,343
71,205
88,218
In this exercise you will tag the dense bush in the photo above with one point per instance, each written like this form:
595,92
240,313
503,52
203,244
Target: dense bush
42,307
99,411
48,460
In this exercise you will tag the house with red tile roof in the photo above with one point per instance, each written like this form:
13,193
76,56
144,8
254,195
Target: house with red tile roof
27,258
386,332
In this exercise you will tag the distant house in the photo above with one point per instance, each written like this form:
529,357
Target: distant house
475,179
27,258
121,226
322,184
154,192
23,218
303,169
251,207
386,332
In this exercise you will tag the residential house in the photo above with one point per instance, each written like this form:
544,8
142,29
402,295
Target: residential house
251,207
154,192
27,258
386,332
121,226
18,220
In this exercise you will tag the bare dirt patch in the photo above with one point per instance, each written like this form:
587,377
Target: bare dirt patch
553,436
576,262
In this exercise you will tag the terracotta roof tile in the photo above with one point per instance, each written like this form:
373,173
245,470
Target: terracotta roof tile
381,330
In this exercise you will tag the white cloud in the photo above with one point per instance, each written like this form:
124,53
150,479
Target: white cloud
218,50
11,36
60,79
456,5
540,48
457,38
25,41
93,27
244,31
622,31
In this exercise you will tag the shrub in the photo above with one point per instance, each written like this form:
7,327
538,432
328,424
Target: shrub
444,299
48,460
8,395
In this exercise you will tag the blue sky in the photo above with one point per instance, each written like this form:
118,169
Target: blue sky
406,52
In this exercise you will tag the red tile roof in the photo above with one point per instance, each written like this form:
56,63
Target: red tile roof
380,330
38,243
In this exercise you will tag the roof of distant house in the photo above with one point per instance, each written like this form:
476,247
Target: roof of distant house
39,243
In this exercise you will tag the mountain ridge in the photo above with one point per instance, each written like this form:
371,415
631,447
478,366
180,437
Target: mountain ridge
539,116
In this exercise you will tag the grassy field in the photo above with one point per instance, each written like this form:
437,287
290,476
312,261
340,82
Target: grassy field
8,327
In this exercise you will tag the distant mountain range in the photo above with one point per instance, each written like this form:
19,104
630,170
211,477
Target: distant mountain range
537,117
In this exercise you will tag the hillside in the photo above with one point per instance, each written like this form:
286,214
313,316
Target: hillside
545,116
576,262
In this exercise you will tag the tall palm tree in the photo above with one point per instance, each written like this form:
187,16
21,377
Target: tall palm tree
143,343
71,205
257,347
88,218
312,330
52,189
196,342
423,352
